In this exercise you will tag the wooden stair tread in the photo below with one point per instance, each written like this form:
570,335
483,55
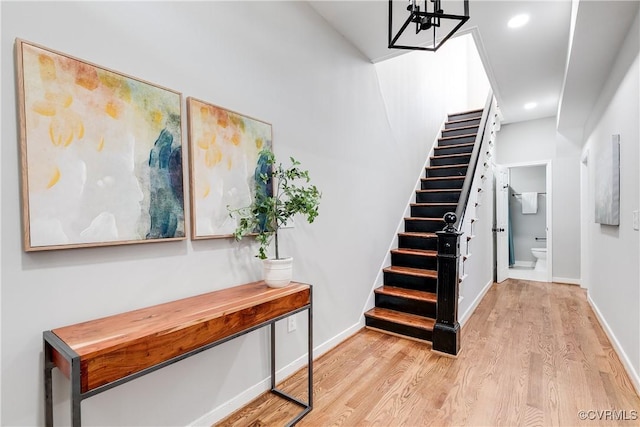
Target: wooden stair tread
418,234
407,293
450,156
440,190
462,127
402,318
410,271
447,138
468,119
466,144
418,252
448,166
420,218
434,204
440,178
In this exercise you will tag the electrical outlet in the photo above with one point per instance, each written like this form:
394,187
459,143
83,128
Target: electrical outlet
291,323
636,225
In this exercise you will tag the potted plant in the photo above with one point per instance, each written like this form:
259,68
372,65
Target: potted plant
279,194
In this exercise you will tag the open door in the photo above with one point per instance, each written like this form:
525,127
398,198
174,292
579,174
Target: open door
501,229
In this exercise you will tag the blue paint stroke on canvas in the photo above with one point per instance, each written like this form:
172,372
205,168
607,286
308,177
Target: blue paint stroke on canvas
263,189
166,195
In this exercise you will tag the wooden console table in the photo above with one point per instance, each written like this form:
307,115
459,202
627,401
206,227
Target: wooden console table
101,354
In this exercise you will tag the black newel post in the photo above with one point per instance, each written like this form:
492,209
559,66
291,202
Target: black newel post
446,332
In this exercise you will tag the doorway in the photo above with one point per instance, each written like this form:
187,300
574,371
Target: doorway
523,221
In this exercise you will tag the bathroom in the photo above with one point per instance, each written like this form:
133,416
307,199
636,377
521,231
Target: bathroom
528,222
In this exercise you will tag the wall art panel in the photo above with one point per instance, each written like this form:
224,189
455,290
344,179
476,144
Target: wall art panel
224,149
101,154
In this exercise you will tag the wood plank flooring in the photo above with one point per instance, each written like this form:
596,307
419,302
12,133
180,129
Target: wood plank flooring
533,354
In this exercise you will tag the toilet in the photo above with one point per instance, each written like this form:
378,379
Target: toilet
540,255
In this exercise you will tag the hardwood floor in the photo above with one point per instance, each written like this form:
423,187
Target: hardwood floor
533,354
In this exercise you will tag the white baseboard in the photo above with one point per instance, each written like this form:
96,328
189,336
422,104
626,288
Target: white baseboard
566,280
633,375
256,390
232,405
525,264
467,314
528,274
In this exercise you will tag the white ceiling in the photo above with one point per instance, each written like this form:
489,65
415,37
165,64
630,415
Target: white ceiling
528,64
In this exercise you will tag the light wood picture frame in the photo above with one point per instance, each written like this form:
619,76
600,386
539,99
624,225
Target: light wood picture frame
224,148
101,154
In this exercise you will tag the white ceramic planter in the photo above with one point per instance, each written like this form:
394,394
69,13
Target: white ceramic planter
278,272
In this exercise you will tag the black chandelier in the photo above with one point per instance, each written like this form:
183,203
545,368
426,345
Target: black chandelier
430,23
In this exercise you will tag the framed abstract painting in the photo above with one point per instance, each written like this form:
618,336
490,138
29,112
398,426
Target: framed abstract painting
101,154
224,147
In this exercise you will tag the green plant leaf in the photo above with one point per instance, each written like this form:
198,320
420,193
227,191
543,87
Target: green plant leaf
290,195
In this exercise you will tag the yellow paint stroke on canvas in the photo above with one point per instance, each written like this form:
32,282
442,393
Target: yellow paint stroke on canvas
237,121
156,117
235,139
223,119
112,110
50,105
59,98
117,84
207,191
100,144
44,108
63,126
47,68
203,142
60,132
54,179
87,76
213,156
259,143
80,129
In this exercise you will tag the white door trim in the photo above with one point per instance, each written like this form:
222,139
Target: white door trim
549,212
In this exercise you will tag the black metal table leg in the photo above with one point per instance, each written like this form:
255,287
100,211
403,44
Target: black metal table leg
307,407
310,348
48,385
76,397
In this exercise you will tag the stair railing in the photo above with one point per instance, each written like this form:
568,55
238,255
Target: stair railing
446,331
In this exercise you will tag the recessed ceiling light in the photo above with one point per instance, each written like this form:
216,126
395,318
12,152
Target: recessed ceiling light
518,21
530,105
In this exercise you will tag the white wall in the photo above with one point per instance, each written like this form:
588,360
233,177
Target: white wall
538,140
613,251
277,61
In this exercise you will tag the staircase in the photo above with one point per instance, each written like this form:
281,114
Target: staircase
406,304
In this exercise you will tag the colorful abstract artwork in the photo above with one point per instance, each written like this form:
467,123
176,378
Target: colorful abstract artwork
101,154
224,147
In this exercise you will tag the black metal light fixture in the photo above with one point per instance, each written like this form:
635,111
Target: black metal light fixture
433,26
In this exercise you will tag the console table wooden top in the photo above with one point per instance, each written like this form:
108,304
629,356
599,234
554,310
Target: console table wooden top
114,347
